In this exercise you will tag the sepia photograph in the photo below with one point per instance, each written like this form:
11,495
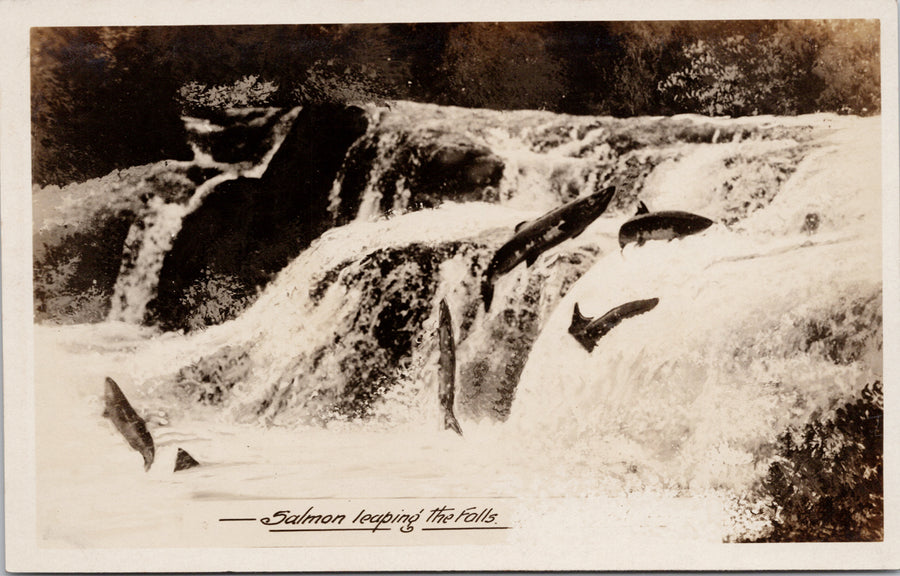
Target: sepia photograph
451,293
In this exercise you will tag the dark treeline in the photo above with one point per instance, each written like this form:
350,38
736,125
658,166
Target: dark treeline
106,98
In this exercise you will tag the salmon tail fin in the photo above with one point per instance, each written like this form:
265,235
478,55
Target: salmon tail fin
642,208
444,313
148,453
579,321
487,293
451,423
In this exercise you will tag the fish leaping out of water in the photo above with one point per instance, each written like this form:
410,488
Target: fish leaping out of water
447,369
127,421
589,330
533,238
664,225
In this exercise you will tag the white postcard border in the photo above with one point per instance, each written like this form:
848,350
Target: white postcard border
22,553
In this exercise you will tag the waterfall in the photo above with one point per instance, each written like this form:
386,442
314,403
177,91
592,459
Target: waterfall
347,329
766,322
150,238
356,322
147,243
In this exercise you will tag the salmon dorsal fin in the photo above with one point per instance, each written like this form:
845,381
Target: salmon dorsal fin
184,461
642,209
521,225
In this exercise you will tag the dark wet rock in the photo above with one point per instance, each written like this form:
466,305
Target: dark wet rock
248,229
488,378
458,171
370,351
419,170
210,379
811,223
74,274
80,233
376,347
750,182
198,175
235,135
489,375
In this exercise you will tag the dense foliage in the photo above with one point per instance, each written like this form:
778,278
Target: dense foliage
826,483
100,100
105,98
793,68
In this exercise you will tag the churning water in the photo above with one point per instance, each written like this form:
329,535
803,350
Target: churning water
767,318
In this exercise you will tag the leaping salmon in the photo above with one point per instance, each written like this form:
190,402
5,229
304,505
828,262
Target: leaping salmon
533,238
127,421
663,225
447,369
588,330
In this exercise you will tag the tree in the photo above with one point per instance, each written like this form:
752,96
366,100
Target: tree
849,65
246,91
827,483
101,99
644,55
784,67
734,76
503,66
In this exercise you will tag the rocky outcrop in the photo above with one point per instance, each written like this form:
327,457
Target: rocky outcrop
370,335
235,135
80,233
403,170
361,357
249,228
493,355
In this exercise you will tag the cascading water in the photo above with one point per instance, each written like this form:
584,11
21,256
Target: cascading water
150,237
767,319
315,379
148,241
